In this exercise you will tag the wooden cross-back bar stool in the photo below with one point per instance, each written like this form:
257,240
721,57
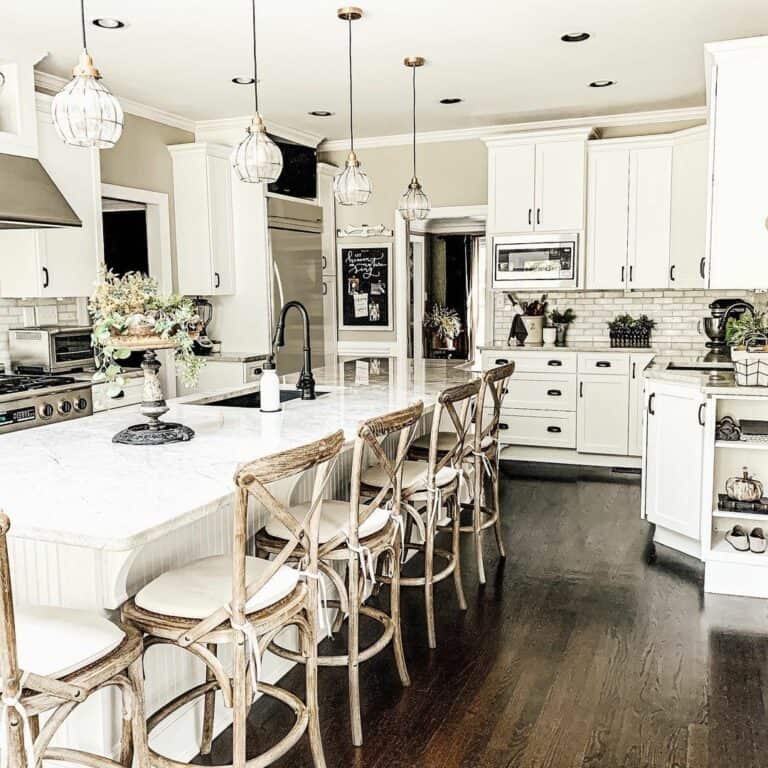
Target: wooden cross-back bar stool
245,602
51,661
430,491
357,533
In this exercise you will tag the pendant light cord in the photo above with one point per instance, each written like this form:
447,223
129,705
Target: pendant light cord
255,64
351,130
414,121
82,23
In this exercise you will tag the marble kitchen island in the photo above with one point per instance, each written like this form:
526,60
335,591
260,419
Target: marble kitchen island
93,522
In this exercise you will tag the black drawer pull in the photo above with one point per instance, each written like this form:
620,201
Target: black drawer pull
258,371
501,361
602,364
554,393
554,429
502,425
555,363
651,398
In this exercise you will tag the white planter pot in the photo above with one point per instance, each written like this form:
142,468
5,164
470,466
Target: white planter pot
550,336
535,328
750,366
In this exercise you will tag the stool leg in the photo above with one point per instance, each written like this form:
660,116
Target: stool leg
239,702
429,567
455,512
126,737
394,611
310,642
477,536
138,715
497,510
209,710
353,651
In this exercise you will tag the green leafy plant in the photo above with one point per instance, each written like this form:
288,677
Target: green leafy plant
565,317
749,330
533,308
443,321
132,306
625,323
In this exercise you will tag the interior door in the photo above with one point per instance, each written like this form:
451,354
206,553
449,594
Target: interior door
298,277
513,179
560,168
607,211
650,197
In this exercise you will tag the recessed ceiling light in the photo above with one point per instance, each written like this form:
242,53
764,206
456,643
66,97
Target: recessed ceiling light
453,100
108,23
320,113
575,37
602,83
242,80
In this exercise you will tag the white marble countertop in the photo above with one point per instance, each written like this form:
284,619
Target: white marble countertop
659,370
572,348
68,483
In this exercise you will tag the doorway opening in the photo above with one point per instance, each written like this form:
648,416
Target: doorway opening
126,245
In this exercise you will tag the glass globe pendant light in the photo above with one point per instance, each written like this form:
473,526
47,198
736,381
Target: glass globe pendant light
352,186
84,112
257,158
414,203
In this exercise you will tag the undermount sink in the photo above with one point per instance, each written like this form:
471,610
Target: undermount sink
253,399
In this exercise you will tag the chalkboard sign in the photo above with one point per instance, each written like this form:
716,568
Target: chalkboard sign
365,283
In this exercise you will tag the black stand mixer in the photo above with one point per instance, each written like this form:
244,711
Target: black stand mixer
715,325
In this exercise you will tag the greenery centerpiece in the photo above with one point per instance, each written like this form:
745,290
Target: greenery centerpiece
748,337
129,314
561,321
628,331
444,324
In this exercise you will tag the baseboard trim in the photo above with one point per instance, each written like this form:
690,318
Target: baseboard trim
568,456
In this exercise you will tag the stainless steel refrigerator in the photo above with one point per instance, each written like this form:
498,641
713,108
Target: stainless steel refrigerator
295,243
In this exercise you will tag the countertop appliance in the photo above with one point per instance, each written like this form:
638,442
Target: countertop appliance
541,262
50,349
202,344
715,325
295,243
32,401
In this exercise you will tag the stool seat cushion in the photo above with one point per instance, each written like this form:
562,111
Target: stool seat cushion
414,474
447,440
56,641
334,519
201,587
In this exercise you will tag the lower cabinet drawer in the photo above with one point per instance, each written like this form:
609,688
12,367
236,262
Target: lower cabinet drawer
542,393
555,429
133,392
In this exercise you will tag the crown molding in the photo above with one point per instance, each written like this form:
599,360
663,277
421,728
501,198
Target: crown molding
488,131
230,129
54,83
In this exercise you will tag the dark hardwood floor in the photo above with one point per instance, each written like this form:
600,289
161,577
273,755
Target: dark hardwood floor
578,652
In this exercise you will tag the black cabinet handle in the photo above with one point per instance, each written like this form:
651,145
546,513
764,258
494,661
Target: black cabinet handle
324,262
581,389
672,273
217,278
118,396
634,370
555,363
325,289
46,277
650,404
702,264
702,406
530,214
603,364
554,429
622,274
631,268
554,393
501,361
257,371
538,215
502,425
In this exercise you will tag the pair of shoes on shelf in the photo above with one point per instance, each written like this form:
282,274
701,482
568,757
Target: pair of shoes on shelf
742,541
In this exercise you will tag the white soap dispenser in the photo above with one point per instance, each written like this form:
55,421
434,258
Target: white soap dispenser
270,388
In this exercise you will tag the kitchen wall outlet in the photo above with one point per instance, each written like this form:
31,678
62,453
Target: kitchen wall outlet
47,314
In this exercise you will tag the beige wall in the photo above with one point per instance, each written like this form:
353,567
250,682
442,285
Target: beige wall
452,173
140,159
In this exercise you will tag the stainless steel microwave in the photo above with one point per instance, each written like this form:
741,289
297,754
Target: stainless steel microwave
531,262
50,349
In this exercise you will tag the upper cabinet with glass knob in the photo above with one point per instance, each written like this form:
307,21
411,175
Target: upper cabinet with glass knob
536,182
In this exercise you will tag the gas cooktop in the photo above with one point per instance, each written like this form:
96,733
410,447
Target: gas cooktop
13,383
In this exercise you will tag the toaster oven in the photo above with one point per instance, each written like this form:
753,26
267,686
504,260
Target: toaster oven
50,349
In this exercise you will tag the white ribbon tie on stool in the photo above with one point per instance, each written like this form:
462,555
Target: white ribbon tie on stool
14,702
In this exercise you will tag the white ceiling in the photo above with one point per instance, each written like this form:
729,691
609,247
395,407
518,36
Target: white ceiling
504,57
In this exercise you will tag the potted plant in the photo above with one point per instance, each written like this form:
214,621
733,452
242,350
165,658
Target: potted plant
561,321
748,337
129,314
444,324
627,331
532,316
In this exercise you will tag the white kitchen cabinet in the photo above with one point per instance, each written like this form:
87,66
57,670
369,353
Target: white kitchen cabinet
62,262
326,200
629,212
330,324
202,187
738,164
223,374
603,414
536,182
672,461
690,182
638,362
